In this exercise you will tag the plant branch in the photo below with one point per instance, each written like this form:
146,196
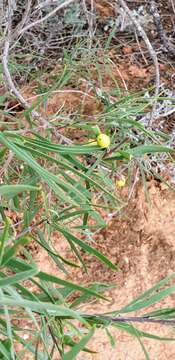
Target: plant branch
23,20
51,13
159,27
10,84
150,49
138,319
26,231
7,76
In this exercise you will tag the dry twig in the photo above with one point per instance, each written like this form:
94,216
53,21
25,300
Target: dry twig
51,13
89,16
170,48
11,85
5,59
152,52
23,20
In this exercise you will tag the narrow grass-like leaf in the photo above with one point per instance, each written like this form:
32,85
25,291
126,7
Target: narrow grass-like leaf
54,254
69,342
3,351
100,288
22,266
3,238
141,344
78,347
82,175
42,308
149,149
13,279
48,177
165,313
130,329
150,296
12,190
85,246
63,149
9,331
10,251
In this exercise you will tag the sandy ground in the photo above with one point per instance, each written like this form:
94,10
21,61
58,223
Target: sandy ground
141,242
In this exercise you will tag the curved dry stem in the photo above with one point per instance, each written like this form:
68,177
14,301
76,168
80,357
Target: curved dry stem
150,49
9,37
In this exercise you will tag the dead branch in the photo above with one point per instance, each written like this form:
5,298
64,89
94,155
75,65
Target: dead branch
170,48
11,86
51,13
89,16
23,20
152,52
46,3
9,37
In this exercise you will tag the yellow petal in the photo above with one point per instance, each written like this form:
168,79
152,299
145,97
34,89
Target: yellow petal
103,141
121,182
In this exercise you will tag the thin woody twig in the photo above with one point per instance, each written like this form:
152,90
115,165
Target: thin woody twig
173,5
46,3
89,16
150,49
24,19
9,82
143,56
7,76
51,13
140,319
26,231
136,178
12,86
160,30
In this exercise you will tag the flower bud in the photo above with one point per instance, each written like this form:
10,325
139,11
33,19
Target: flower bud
103,141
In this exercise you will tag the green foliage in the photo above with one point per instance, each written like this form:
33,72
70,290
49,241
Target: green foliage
65,186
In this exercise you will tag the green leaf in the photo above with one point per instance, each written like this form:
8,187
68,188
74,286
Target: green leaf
10,251
4,350
110,337
78,347
42,308
52,180
22,266
85,297
9,330
165,314
68,341
13,279
149,149
63,149
150,296
54,254
119,155
85,246
72,169
132,330
3,238
12,190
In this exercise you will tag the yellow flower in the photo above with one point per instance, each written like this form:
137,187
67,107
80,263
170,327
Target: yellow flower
103,141
121,182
